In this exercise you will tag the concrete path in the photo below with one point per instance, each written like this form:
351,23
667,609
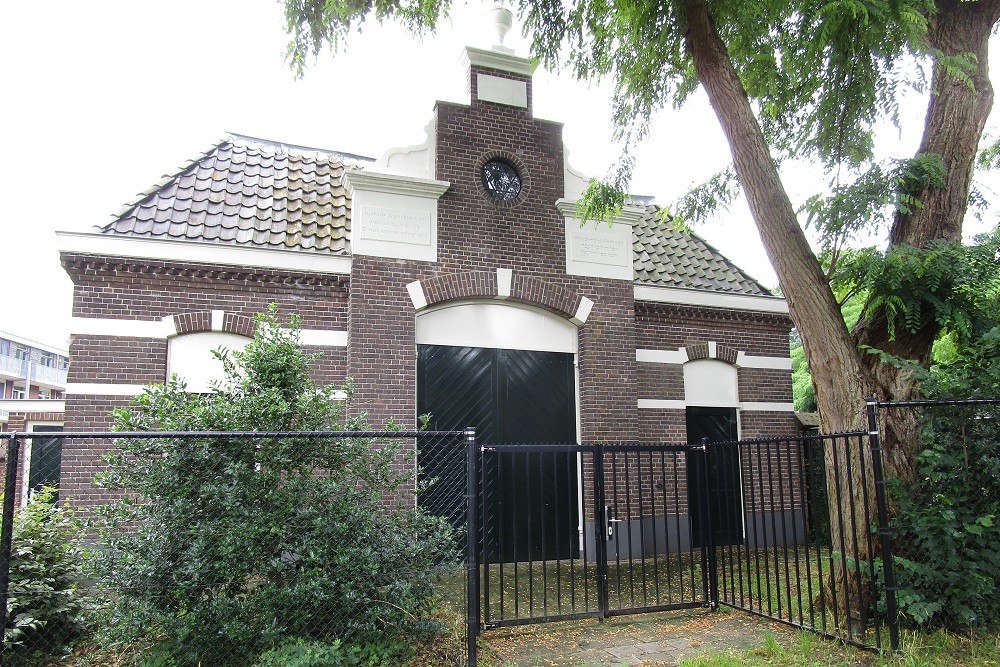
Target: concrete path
649,640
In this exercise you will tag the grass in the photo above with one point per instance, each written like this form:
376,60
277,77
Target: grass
935,649
781,582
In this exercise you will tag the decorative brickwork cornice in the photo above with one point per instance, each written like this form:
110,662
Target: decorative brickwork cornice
653,309
79,265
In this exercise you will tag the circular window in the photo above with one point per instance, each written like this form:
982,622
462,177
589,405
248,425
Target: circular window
501,180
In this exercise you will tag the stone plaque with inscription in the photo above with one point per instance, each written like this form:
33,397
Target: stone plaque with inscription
599,251
597,248
396,225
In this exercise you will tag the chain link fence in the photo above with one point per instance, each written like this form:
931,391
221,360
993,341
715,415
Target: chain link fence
235,548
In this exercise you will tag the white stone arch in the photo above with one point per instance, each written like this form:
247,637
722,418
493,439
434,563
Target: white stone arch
190,357
711,383
496,324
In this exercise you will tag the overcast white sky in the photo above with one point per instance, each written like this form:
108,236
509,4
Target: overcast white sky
102,98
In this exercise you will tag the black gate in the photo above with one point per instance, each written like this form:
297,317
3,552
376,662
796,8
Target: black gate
761,526
629,546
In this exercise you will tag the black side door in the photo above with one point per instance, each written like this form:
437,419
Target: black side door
45,462
723,494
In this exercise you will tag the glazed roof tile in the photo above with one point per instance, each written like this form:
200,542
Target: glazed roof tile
248,191
665,256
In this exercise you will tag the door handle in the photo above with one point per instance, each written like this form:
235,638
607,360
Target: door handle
610,521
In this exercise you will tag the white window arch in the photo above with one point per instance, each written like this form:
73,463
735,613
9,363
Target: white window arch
190,357
711,383
504,326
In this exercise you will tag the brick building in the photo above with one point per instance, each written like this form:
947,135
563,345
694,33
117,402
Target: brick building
450,278
32,385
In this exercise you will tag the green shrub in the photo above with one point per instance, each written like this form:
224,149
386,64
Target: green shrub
947,521
301,653
240,544
48,604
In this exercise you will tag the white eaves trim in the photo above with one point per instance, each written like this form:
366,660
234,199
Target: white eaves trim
680,356
31,405
164,328
102,326
767,407
498,60
691,297
661,404
323,338
630,215
662,356
142,247
773,363
103,389
399,184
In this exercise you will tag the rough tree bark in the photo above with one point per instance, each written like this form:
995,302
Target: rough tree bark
844,376
956,116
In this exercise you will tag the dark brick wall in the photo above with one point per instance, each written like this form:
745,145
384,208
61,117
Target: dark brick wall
118,360
667,326
81,457
765,385
661,381
149,290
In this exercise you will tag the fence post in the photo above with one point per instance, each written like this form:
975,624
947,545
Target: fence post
471,540
874,442
7,533
713,581
600,533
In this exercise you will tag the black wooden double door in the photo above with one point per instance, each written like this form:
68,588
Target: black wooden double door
508,396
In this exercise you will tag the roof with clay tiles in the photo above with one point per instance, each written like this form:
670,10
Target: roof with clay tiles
250,192
254,192
666,256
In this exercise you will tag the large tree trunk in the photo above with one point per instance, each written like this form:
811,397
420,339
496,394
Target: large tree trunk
842,381
842,375
956,117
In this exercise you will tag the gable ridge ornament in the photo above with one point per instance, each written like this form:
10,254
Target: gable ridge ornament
502,19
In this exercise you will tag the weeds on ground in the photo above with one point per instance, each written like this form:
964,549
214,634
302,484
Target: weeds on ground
935,649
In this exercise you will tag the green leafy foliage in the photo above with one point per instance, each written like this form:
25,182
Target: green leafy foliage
48,603
225,547
858,205
300,653
953,286
947,522
802,388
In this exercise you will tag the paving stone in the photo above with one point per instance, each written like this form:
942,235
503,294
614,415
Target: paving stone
663,639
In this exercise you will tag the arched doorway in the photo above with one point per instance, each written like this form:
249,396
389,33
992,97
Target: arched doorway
510,372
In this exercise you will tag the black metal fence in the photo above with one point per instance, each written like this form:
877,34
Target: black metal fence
785,528
793,529
262,562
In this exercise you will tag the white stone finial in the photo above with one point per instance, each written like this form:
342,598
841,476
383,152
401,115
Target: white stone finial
503,19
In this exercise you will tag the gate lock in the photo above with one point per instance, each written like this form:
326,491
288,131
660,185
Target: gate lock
610,520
